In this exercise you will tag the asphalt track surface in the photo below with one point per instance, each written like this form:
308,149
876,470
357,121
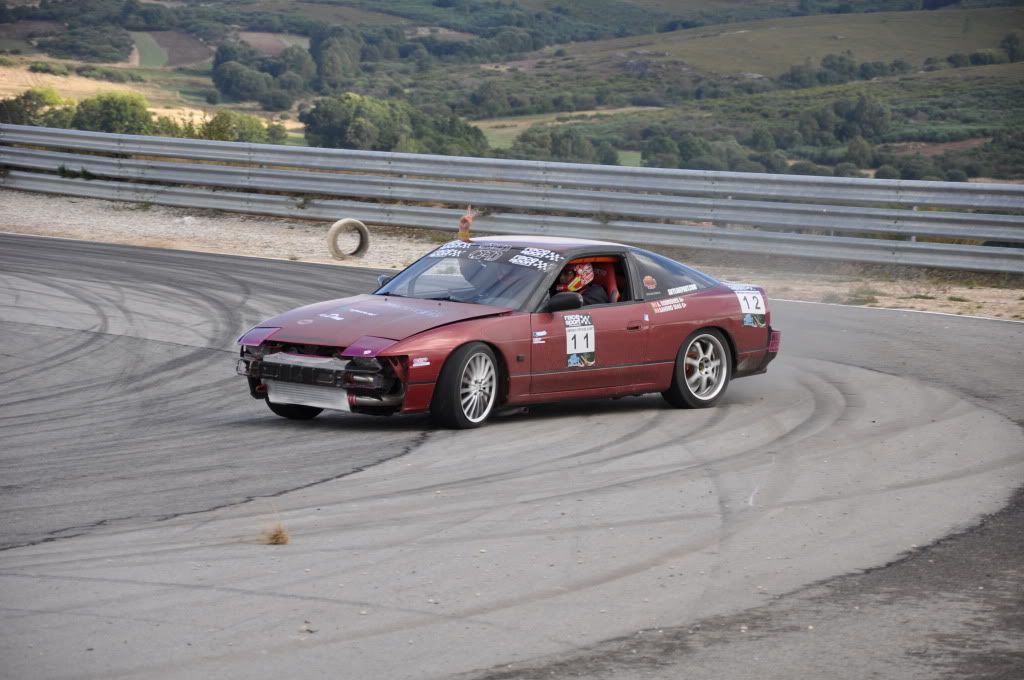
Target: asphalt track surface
793,531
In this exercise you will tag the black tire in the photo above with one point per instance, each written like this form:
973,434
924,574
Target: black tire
294,411
467,389
703,369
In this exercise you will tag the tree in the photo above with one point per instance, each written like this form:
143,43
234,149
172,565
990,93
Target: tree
761,140
241,82
120,112
605,153
872,116
28,107
229,126
1011,45
353,121
860,152
297,60
234,51
660,152
490,99
691,146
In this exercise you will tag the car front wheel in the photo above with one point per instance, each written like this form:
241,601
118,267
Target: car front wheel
703,368
467,388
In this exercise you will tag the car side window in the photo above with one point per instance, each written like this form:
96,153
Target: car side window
661,276
600,280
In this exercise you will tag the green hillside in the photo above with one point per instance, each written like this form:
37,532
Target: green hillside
842,86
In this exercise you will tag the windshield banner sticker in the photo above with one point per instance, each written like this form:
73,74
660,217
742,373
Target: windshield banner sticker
580,341
535,258
489,253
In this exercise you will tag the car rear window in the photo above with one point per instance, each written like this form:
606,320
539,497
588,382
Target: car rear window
661,276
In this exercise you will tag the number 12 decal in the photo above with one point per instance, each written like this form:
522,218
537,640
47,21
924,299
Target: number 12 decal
751,301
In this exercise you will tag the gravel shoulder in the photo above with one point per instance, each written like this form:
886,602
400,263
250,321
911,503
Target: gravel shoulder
393,248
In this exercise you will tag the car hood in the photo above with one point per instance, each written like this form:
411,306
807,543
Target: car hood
340,323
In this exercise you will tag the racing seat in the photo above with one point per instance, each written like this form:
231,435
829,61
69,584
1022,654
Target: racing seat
604,274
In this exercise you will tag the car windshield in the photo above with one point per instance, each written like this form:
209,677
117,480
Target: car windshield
477,273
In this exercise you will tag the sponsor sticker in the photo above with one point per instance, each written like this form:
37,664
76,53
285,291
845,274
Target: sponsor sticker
689,288
359,311
755,320
334,316
650,283
738,286
580,341
533,262
543,254
671,304
420,362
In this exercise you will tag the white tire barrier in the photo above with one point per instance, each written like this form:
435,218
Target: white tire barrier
343,227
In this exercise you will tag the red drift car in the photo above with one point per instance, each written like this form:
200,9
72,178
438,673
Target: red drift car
508,321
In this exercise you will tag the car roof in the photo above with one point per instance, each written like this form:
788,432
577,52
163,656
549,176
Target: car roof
558,244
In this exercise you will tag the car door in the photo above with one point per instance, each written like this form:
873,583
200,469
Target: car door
596,347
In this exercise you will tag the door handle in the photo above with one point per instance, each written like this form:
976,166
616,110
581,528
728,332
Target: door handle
634,325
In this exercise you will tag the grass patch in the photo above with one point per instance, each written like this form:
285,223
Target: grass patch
276,535
919,296
629,158
957,298
502,132
151,55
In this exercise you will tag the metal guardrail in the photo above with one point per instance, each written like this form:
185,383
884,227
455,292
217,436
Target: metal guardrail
754,213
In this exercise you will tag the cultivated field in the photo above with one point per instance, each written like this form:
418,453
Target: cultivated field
272,44
16,36
328,13
771,47
182,49
150,54
501,132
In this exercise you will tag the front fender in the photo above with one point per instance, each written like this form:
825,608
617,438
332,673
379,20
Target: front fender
427,352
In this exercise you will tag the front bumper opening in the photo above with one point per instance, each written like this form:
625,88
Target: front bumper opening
325,381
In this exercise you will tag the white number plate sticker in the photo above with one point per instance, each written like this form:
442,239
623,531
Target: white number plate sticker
579,339
751,301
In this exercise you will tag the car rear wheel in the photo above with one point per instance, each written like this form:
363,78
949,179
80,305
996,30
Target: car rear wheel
703,368
294,411
467,388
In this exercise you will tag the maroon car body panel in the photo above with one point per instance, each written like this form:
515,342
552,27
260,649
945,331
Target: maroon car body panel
342,322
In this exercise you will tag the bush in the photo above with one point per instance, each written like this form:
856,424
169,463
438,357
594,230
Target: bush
51,67
846,170
276,100
808,168
92,43
121,112
887,172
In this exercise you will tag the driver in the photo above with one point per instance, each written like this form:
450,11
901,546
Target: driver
579,278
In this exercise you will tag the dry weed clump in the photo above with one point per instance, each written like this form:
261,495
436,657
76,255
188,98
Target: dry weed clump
276,535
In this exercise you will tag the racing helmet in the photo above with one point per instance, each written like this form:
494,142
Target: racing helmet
582,274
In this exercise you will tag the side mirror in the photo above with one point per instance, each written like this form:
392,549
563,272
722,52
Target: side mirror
563,301
384,279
